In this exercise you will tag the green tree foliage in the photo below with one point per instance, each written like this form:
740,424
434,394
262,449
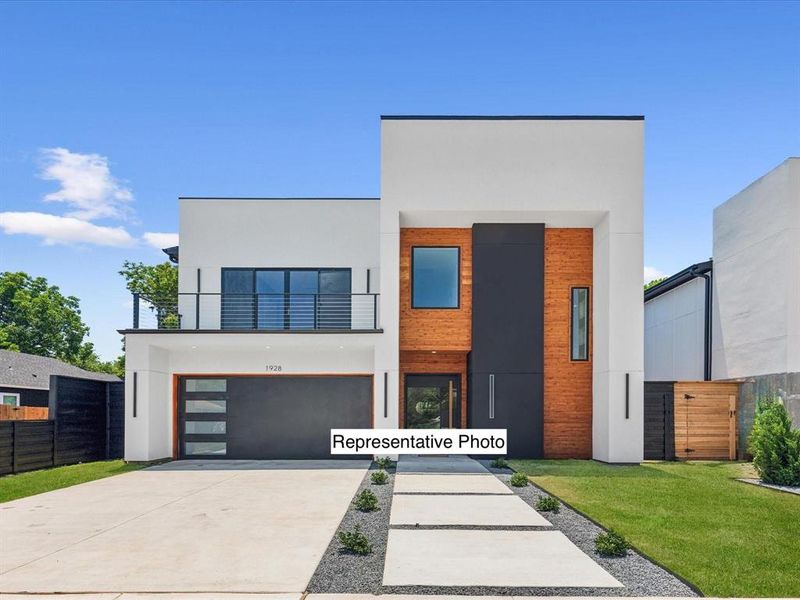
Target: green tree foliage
775,446
36,318
655,282
158,286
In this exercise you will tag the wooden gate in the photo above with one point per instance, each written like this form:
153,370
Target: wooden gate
705,420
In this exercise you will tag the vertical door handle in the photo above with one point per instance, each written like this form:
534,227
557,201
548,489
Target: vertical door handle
491,396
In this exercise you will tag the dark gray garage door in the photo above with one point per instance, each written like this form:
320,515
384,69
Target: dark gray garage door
269,417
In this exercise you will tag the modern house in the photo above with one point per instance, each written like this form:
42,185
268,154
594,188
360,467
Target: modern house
737,318
25,378
495,283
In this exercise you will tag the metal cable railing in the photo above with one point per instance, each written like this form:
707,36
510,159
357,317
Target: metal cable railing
268,312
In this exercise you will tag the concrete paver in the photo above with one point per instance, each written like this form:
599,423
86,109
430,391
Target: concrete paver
507,511
178,530
489,558
410,463
406,483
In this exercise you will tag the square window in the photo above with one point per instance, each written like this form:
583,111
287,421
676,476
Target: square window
435,277
10,399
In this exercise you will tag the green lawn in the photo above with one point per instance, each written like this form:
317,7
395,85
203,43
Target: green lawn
726,537
45,480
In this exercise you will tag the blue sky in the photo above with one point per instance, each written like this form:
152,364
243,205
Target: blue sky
109,112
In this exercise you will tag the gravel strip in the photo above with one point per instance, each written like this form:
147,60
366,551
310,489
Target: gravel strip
639,575
340,571
773,486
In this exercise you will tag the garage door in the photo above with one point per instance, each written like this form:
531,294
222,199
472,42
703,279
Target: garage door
269,417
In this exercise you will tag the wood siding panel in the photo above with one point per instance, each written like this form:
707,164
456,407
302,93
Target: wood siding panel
436,329
705,422
22,413
567,383
443,363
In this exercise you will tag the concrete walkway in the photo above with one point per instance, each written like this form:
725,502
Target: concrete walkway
188,526
484,536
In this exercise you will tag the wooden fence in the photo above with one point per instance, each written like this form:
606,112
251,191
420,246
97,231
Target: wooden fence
86,423
690,420
22,413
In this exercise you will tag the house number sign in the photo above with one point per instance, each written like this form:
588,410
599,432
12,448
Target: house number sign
274,368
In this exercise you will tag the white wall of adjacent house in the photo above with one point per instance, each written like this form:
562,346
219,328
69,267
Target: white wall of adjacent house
272,233
563,173
756,307
674,339
156,358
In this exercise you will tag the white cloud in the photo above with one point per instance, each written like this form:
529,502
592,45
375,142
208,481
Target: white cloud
651,273
63,230
160,240
86,185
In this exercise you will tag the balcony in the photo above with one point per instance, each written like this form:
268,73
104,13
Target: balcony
269,313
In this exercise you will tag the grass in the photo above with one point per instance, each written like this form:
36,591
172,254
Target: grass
45,480
726,537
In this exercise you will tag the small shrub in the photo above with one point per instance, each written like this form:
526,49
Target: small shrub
366,501
611,544
499,463
384,462
519,480
548,504
355,541
775,446
379,477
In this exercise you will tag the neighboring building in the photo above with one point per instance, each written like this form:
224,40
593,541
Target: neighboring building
25,378
496,283
754,308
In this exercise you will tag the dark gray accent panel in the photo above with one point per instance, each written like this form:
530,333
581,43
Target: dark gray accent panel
508,333
659,420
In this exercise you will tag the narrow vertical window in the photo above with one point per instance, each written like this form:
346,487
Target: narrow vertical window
580,324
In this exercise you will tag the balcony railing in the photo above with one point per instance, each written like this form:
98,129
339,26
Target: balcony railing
262,312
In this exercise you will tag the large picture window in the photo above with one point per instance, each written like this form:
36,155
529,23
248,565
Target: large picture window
580,324
286,299
435,277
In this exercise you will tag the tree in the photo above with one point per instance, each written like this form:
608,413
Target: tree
647,286
158,286
38,319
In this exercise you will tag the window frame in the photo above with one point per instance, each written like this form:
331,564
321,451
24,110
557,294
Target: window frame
572,291
458,279
16,394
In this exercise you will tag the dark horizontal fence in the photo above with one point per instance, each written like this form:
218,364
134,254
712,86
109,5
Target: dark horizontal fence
86,424
26,445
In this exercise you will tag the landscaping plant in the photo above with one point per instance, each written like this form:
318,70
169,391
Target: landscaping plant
611,544
499,463
519,480
366,501
379,477
384,462
548,504
355,541
775,446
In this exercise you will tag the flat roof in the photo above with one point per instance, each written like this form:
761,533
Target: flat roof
277,198
512,117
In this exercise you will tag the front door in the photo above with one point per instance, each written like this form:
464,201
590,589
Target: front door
432,401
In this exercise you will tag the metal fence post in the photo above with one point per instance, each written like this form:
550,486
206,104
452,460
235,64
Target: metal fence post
136,310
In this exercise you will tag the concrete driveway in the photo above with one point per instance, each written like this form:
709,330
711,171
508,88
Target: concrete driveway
188,526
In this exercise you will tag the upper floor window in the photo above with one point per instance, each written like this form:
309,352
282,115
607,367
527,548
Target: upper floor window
580,324
286,298
435,277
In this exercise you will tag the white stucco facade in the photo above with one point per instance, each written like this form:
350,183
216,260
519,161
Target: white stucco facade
756,308
434,173
563,173
674,334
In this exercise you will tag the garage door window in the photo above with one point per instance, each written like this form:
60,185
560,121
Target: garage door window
206,385
206,448
201,427
206,406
